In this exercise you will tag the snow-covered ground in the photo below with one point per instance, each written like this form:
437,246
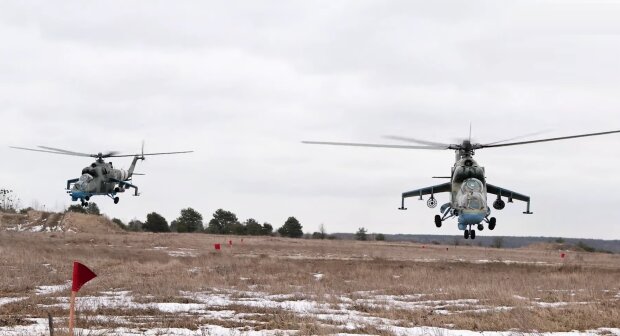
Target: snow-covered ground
40,327
340,313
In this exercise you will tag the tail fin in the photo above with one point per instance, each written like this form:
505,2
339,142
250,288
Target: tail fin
135,160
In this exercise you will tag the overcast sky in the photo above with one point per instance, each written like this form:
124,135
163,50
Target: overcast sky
243,82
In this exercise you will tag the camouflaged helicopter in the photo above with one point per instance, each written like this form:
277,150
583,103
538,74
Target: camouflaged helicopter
468,187
100,178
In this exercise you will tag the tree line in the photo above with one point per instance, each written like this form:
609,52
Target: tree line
190,220
222,222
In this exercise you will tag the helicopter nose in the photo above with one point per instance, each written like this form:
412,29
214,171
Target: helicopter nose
470,218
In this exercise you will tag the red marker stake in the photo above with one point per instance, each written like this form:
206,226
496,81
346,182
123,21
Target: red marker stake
81,275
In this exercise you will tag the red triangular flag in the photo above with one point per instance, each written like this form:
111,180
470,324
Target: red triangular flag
81,275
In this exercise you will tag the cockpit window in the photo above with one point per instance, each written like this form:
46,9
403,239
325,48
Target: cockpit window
474,203
82,183
472,185
470,196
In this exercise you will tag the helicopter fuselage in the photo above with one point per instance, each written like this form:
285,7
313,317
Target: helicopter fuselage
468,198
101,178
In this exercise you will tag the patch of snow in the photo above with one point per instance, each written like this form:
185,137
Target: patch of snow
37,228
4,301
558,304
38,328
214,304
46,290
181,254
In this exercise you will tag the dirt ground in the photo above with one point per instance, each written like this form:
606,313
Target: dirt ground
271,284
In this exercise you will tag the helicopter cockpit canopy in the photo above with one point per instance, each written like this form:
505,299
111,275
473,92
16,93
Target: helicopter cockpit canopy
83,181
471,195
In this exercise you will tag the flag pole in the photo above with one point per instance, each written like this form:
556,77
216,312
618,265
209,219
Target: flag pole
71,313
81,275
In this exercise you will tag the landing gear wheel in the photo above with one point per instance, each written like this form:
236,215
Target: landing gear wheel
85,204
87,198
472,234
116,199
432,202
480,227
437,221
466,234
492,222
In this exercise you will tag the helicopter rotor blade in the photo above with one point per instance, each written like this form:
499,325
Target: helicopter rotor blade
147,154
418,141
39,150
517,137
68,152
108,154
549,139
50,151
353,144
99,155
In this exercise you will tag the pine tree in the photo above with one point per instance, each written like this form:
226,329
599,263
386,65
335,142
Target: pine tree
76,208
253,228
155,223
361,234
93,209
267,229
291,228
135,225
222,222
189,221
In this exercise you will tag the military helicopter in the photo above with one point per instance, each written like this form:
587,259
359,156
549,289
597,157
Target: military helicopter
100,177
468,187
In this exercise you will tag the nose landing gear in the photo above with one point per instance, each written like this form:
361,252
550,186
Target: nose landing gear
469,233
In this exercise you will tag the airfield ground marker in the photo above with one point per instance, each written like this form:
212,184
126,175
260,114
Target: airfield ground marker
81,275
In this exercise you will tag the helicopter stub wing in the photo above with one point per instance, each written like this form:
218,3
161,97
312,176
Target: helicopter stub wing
491,189
444,187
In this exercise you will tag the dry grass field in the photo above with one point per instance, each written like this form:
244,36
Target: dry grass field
177,284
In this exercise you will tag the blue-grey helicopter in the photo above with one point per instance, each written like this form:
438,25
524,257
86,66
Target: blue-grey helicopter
468,187
100,178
